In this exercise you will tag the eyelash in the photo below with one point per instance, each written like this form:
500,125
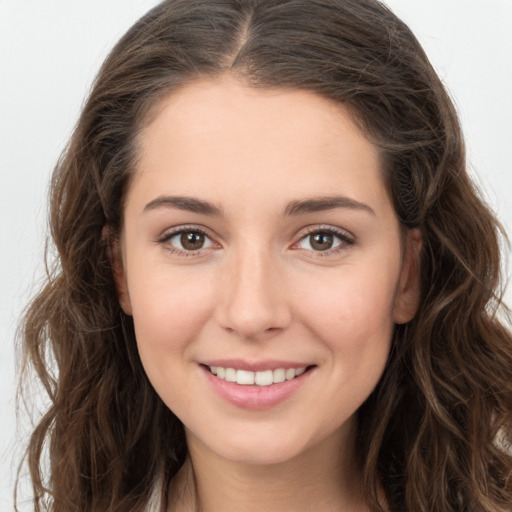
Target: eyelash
346,240
168,235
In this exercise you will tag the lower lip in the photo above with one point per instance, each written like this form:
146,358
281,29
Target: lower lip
255,397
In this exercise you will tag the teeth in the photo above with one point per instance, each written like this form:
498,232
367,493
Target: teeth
264,378
279,375
290,374
230,375
244,377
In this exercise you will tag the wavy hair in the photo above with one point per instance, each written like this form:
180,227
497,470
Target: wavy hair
436,432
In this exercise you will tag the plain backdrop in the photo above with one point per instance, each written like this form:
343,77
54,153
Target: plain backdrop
49,53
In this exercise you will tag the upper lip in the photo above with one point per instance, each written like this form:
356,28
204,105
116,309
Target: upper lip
255,366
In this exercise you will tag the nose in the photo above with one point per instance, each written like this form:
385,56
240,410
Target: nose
253,301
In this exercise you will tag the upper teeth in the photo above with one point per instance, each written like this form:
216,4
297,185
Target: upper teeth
264,378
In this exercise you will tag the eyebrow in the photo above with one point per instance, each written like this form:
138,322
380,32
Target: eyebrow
317,204
294,208
190,204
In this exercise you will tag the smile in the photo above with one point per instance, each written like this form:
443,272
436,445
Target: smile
261,378
256,386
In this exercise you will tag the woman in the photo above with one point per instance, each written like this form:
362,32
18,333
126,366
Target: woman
276,286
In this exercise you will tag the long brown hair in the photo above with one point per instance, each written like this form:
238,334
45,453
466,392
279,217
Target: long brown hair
436,432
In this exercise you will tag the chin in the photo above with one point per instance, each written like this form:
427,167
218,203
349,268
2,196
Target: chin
259,445
255,454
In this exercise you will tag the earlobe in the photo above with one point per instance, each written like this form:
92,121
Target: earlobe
118,272
408,292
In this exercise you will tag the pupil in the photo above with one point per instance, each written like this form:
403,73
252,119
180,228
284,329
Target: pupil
192,241
321,241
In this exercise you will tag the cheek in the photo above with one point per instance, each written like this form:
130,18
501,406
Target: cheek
169,309
353,314
350,315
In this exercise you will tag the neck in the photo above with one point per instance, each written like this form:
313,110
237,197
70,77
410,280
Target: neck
325,477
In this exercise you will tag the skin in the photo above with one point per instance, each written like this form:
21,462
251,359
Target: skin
259,290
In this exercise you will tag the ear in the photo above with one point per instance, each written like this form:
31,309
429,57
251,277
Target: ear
115,255
408,293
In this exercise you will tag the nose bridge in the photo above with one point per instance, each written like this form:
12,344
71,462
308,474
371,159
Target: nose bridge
254,301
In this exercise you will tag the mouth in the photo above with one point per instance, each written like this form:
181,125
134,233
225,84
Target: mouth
259,378
258,385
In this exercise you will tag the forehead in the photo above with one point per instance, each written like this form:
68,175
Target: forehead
203,105
218,132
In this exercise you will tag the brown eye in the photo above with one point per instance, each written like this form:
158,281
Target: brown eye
325,240
187,240
321,241
192,240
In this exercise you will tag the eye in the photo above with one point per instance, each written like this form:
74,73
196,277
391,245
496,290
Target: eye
187,240
323,240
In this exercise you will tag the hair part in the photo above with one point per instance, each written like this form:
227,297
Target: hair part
436,432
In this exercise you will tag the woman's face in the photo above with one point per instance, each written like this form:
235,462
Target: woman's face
260,243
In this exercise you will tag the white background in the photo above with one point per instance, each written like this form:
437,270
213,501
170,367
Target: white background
49,53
